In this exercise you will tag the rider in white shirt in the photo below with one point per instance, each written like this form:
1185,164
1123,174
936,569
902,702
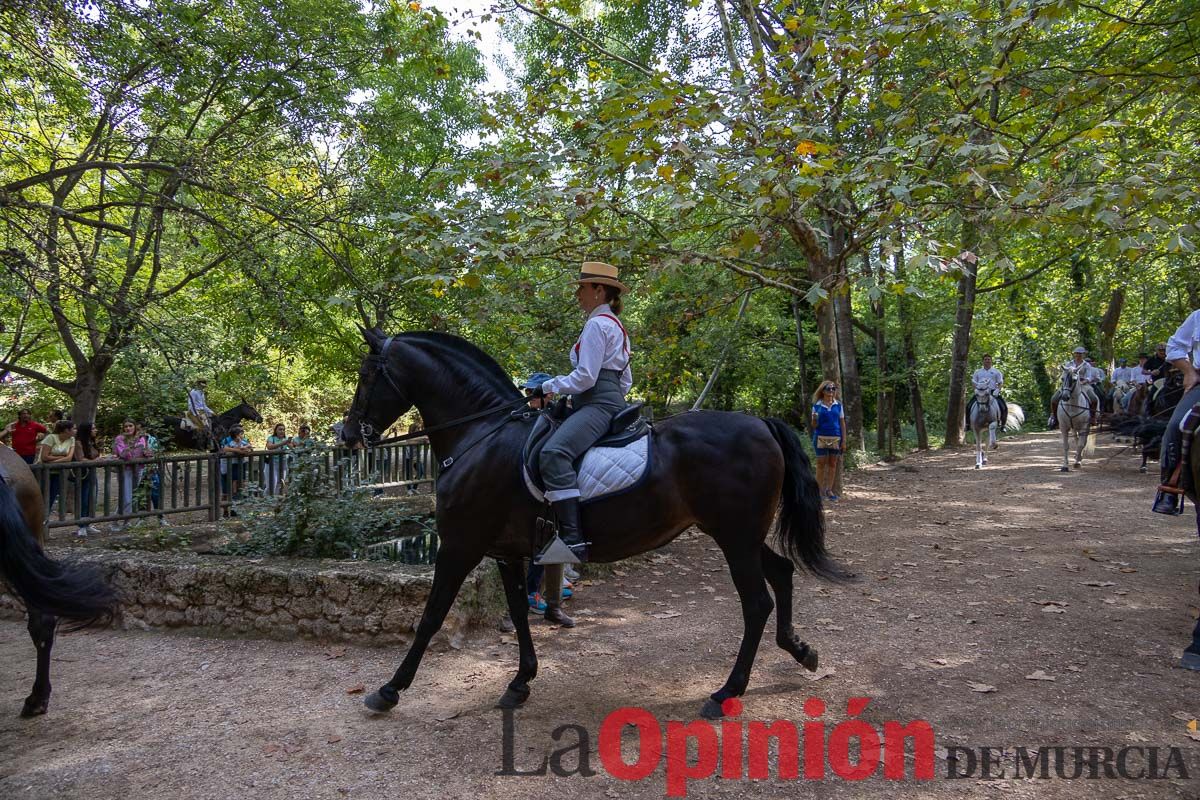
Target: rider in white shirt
1183,353
992,379
1088,376
198,411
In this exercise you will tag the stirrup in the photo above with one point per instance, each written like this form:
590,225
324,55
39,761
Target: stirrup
557,552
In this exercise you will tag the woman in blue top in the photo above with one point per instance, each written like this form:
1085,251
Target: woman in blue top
828,423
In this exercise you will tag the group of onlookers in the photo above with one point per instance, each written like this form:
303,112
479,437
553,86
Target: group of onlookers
62,441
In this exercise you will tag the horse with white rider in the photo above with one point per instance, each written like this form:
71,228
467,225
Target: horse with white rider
1088,377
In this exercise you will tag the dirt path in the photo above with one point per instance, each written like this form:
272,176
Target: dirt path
958,570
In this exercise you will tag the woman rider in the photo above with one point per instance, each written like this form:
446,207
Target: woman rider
598,382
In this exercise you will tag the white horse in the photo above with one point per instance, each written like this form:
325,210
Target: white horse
1074,416
1120,393
985,415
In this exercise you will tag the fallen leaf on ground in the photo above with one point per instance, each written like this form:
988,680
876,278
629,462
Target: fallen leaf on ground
357,688
1100,584
1184,716
823,672
1039,675
336,652
333,740
982,688
1053,610
666,614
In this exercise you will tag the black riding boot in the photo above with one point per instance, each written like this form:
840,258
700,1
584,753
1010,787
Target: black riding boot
569,529
1168,501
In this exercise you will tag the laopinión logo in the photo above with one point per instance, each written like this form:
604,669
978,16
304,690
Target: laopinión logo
851,750
633,744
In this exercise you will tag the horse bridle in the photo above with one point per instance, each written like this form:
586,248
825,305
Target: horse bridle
365,428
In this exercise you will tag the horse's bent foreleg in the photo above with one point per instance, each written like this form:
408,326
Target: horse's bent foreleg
1066,443
448,576
779,571
41,630
746,569
513,575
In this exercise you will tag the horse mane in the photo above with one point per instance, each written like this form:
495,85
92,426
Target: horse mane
479,371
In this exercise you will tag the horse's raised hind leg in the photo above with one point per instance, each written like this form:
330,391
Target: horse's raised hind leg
779,571
746,569
452,569
513,575
41,630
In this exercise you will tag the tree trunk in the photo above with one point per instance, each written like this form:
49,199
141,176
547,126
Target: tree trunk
85,391
831,368
903,313
883,392
848,356
805,395
1108,324
961,347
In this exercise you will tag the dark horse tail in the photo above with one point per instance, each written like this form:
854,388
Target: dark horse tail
74,593
801,527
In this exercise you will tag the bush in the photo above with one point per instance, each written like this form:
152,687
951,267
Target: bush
317,520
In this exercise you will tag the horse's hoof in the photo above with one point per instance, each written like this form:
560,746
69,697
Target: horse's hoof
34,708
810,661
711,710
1142,470
976,466
379,704
513,698
1064,469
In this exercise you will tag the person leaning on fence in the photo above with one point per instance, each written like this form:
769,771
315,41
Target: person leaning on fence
235,445
57,448
829,438
130,446
277,465
24,435
86,449
547,602
153,473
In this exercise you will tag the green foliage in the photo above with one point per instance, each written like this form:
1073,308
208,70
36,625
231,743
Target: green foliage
316,519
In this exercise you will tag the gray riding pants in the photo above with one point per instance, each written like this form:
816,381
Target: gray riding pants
594,410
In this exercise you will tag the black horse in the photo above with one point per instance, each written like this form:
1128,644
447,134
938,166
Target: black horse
48,589
188,438
724,472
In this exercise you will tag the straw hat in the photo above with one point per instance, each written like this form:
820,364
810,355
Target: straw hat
599,272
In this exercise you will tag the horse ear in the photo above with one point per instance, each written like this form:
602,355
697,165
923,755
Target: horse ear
374,337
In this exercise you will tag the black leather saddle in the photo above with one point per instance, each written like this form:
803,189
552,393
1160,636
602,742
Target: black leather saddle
627,427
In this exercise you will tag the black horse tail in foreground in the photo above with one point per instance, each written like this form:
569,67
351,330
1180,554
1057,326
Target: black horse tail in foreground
727,474
801,525
48,588
71,592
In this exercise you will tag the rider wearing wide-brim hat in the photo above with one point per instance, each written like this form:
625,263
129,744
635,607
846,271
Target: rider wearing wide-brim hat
598,382
1087,375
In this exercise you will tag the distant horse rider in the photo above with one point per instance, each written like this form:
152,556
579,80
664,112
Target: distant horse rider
598,382
198,412
1087,375
1182,353
992,379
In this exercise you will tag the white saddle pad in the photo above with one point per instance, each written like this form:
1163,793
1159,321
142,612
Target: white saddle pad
605,470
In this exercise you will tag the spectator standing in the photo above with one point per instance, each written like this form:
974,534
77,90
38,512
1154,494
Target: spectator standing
57,448
828,425
130,446
86,449
235,445
281,444
24,435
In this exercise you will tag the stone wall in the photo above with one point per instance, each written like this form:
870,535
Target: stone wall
375,603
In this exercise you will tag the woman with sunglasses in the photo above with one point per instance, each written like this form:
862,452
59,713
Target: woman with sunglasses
829,437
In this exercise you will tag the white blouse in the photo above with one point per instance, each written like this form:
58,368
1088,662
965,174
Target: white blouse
603,344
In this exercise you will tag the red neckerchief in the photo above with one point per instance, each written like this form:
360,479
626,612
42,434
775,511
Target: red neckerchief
624,341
